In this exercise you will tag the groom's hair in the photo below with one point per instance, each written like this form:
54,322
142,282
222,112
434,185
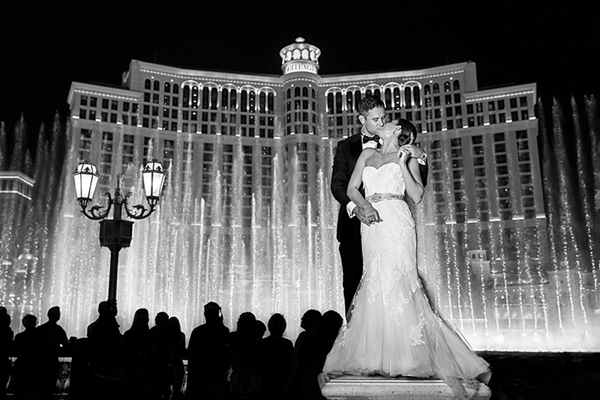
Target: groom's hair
368,103
409,132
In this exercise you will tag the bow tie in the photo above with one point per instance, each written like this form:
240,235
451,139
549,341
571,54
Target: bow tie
374,138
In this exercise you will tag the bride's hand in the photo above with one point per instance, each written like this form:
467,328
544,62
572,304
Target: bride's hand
371,214
404,155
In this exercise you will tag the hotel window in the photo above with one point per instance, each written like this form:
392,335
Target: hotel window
167,87
104,116
447,86
85,144
500,104
513,102
436,88
448,99
113,118
126,106
514,115
436,101
83,100
114,105
92,115
148,84
523,101
146,97
457,98
450,124
524,115
93,102
491,106
155,98
156,85
492,118
105,103
469,108
82,113
128,150
501,118
456,85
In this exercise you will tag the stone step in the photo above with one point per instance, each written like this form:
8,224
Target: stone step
363,388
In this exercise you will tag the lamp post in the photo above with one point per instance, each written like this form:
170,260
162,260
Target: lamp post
116,233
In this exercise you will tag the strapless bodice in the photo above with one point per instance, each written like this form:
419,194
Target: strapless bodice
385,179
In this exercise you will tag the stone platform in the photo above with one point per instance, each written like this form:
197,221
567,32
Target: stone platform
363,388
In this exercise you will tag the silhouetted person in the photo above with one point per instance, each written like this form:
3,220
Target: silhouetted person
208,357
311,358
261,329
245,360
276,352
106,354
160,359
138,352
51,342
25,368
176,340
6,342
310,323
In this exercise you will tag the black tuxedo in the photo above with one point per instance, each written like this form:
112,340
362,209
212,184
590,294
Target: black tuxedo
348,229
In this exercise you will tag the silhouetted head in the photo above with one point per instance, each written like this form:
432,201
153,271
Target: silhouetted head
29,321
161,318
310,320
212,312
277,325
246,323
106,309
174,325
261,328
54,314
141,318
331,322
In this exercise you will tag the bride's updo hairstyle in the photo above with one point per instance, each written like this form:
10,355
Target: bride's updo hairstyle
408,134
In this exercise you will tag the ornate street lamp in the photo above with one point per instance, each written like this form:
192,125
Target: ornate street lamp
116,233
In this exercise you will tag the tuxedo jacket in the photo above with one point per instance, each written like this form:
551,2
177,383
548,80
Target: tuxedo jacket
344,162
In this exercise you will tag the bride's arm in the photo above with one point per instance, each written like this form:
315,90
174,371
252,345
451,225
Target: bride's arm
371,214
412,178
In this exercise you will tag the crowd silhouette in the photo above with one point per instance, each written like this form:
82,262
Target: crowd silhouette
146,362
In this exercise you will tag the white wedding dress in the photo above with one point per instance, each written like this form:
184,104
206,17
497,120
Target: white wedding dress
393,331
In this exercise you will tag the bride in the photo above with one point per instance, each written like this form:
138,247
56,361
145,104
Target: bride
392,329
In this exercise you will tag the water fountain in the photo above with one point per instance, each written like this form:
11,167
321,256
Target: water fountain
287,259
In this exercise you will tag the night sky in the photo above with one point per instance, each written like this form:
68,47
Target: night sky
47,45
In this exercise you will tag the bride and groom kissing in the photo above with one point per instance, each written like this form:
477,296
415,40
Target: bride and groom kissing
391,328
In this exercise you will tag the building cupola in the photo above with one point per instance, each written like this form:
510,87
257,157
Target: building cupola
300,57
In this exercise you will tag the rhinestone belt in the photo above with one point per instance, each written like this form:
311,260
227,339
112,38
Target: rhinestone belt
377,197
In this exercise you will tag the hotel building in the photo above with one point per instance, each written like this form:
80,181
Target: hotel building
484,187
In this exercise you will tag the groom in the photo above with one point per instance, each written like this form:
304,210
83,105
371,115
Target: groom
372,116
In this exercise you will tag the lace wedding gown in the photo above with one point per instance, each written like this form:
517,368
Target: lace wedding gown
393,331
